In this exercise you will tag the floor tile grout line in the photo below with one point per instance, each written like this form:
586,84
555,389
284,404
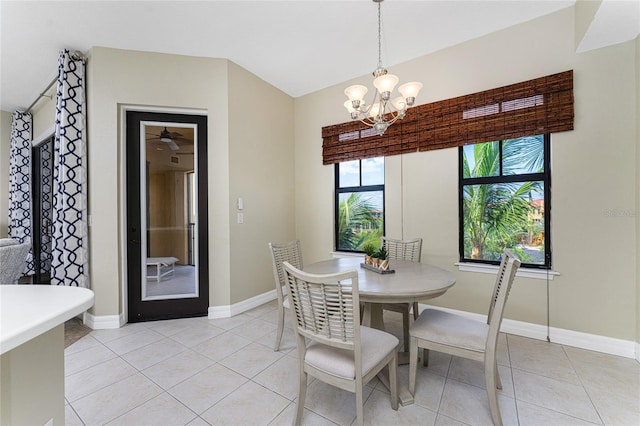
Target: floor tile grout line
573,367
447,376
513,380
76,413
151,399
556,411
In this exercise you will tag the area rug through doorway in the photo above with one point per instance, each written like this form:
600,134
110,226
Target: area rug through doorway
74,330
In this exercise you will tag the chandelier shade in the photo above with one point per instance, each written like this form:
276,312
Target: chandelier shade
383,111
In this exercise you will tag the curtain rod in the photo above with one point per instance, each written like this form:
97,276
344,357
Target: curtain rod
76,55
41,95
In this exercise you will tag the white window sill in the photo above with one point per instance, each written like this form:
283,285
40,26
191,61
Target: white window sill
539,274
336,254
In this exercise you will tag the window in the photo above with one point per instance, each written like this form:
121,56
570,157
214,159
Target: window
359,204
504,200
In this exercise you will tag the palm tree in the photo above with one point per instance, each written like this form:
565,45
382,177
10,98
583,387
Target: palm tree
356,213
494,214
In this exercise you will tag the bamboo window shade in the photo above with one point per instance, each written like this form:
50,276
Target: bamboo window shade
541,105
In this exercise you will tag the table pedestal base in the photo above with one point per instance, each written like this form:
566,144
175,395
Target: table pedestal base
373,317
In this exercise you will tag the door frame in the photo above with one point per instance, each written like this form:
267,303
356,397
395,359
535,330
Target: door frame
45,137
40,277
203,248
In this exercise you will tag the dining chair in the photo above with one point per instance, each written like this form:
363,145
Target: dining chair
409,250
460,336
281,252
332,345
13,261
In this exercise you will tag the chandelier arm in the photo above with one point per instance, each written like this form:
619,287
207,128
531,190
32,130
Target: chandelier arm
369,121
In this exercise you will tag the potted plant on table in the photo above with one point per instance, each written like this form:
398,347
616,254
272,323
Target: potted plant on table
382,261
369,250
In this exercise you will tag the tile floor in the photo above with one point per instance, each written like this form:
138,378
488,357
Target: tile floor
224,372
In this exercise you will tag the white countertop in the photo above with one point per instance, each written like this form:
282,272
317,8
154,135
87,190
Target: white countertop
27,311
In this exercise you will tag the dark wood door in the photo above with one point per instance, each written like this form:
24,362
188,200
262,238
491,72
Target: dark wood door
42,190
164,279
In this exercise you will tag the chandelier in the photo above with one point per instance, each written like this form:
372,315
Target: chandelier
383,111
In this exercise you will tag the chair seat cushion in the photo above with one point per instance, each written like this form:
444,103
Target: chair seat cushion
375,345
450,329
4,242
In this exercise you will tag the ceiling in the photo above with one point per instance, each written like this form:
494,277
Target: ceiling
297,46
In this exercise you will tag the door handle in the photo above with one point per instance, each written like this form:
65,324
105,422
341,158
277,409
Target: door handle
135,242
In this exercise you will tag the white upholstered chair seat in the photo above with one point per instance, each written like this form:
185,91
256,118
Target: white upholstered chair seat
451,330
4,242
375,346
13,261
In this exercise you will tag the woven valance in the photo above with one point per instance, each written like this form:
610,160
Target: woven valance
542,105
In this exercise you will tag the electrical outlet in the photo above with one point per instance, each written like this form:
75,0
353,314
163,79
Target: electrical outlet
240,217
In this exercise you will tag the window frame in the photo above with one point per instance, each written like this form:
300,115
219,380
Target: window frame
360,188
545,177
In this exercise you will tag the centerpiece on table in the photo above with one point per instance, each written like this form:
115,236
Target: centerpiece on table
376,259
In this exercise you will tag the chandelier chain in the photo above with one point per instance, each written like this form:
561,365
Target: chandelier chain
379,37
384,110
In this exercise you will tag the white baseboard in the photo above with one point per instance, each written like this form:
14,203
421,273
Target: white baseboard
219,312
592,342
227,311
224,311
103,322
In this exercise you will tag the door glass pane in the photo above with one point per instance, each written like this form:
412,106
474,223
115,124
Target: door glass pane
360,219
169,213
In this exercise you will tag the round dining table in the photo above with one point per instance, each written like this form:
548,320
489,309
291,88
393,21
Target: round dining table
409,282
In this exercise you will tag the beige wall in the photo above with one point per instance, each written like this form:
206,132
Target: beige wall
117,78
5,145
249,129
585,11
261,155
250,154
44,117
637,198
593,176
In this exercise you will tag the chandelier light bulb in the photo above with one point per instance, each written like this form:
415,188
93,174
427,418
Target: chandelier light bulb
385,83
349,106
356,92
409,91
375,110
399,103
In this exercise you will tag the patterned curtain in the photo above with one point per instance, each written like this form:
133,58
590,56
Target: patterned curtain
46,202
69,265
20,183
